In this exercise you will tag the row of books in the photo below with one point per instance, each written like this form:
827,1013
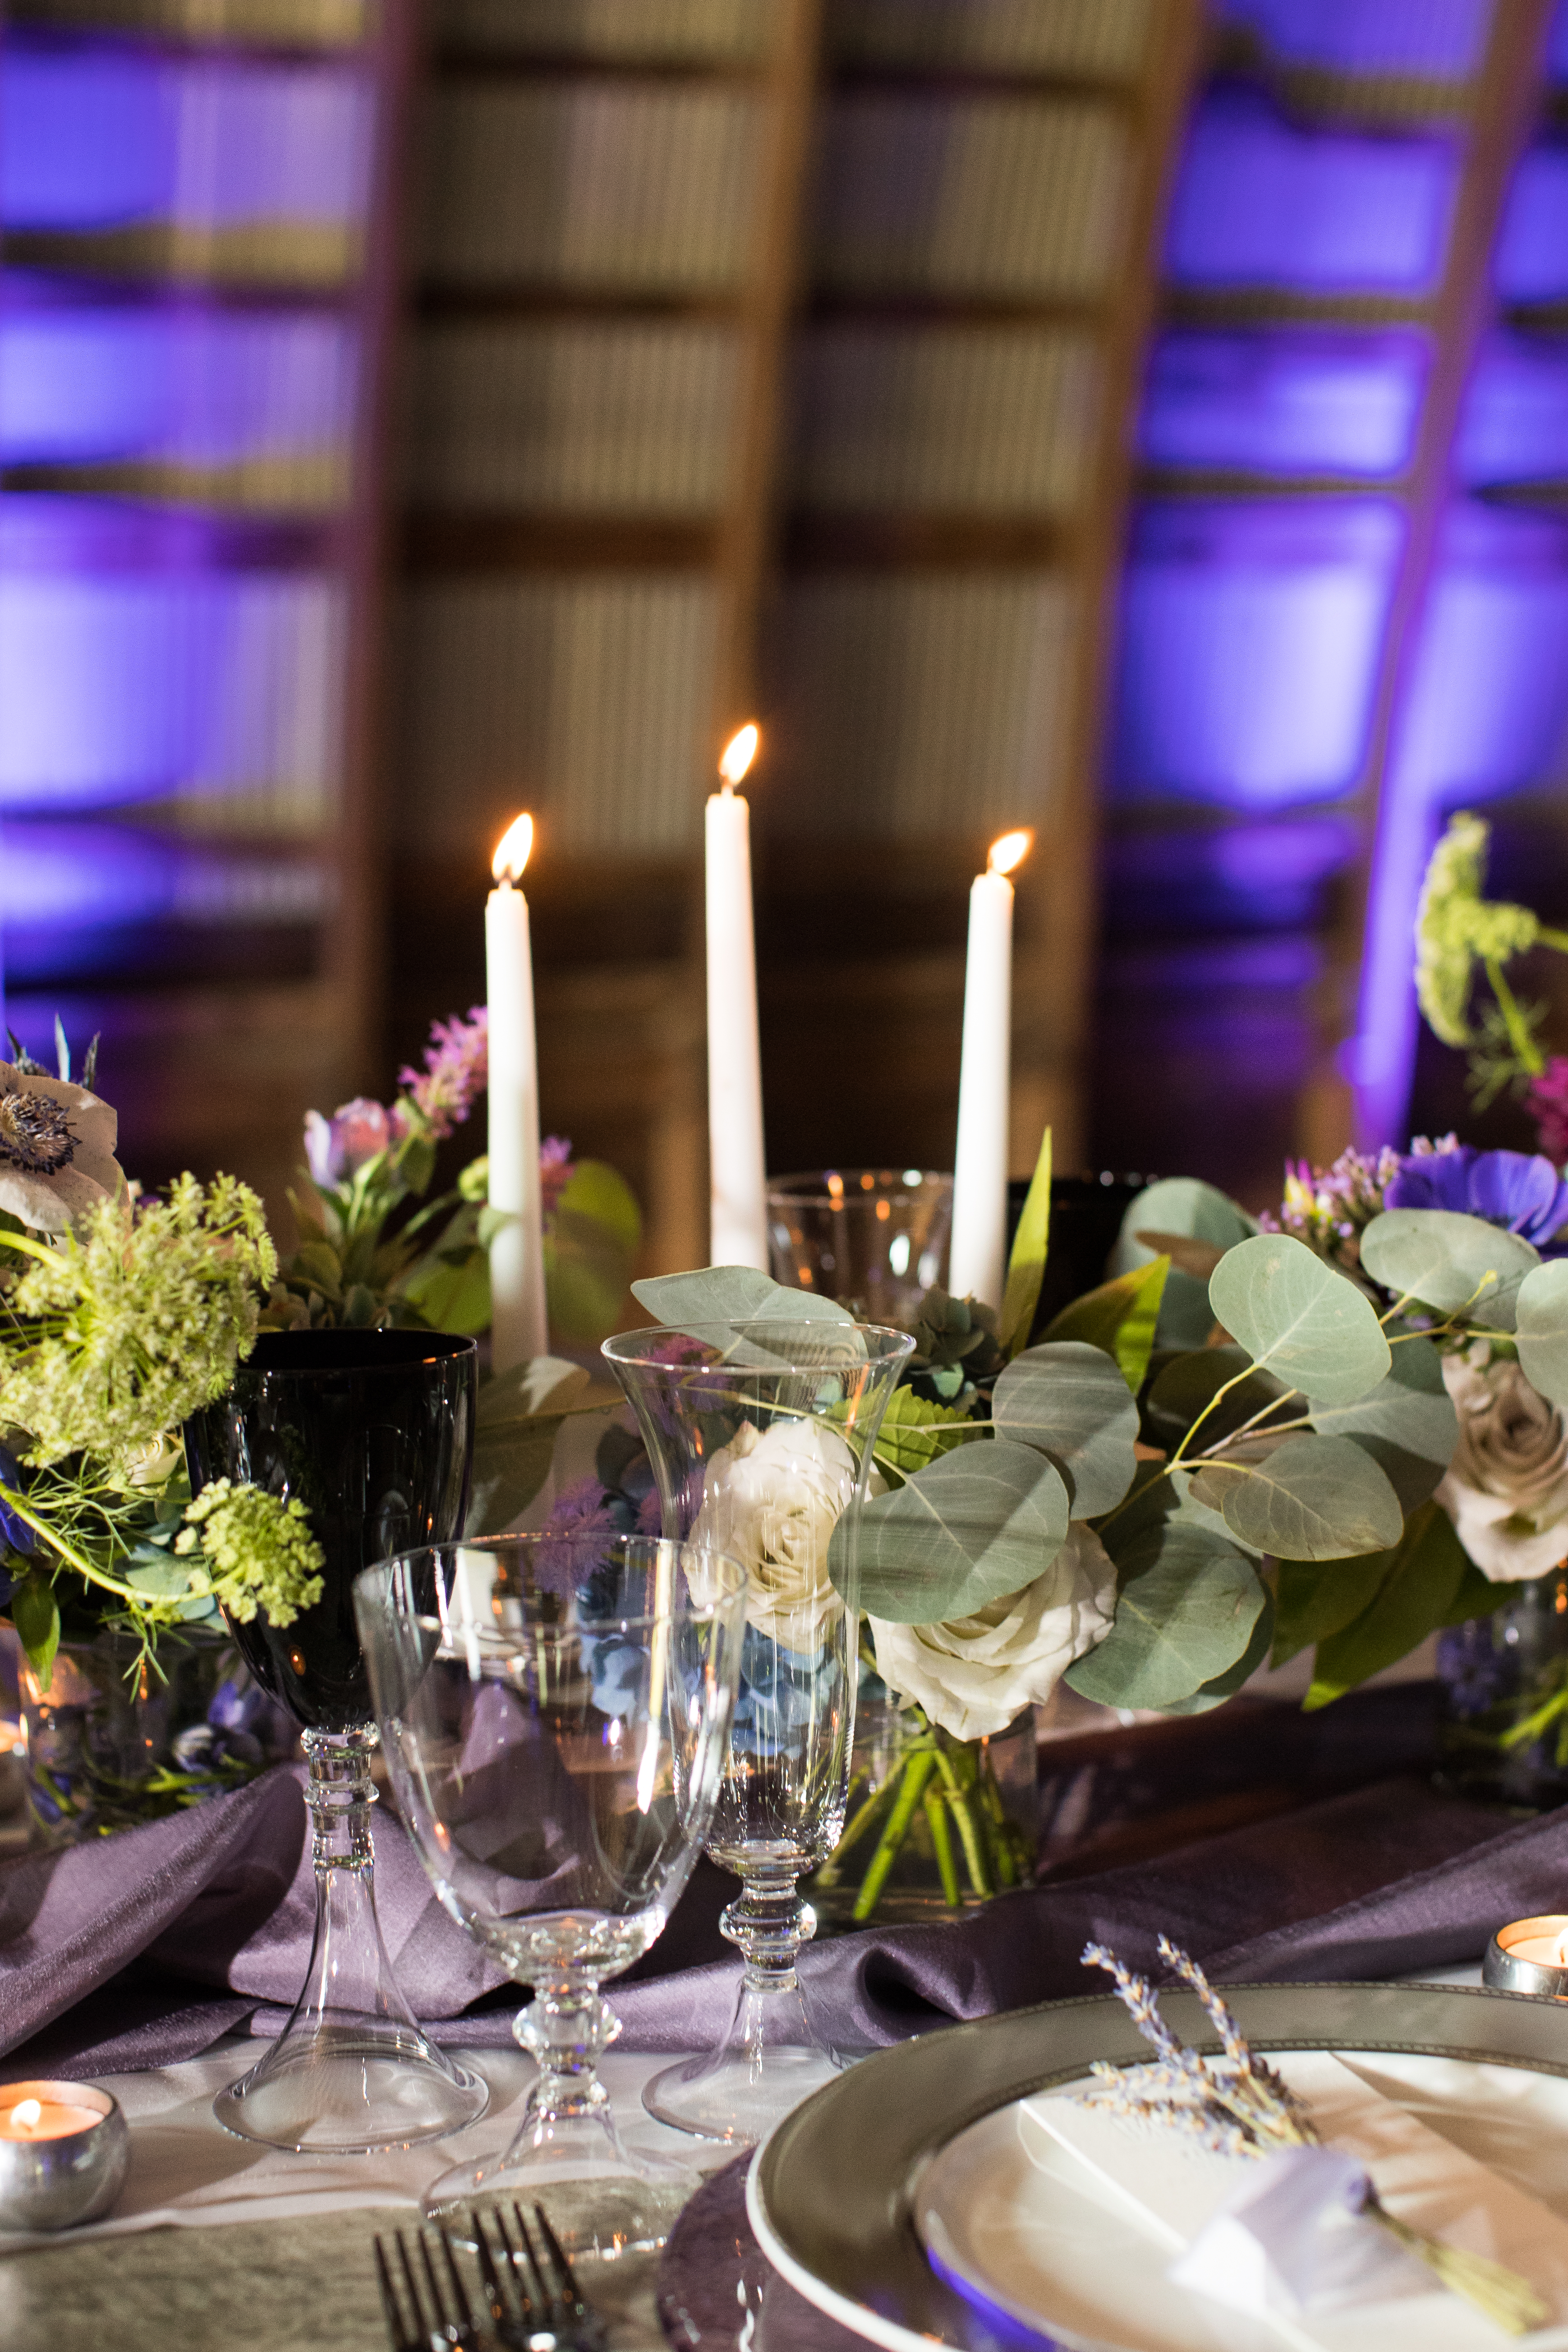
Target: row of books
652,187
630,418
900,709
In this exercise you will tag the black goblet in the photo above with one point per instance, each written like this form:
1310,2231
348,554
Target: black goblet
373,1431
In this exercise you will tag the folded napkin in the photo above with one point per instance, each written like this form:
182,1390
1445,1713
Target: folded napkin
143,1948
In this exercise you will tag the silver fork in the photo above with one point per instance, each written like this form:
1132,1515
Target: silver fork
451,2328
550,2315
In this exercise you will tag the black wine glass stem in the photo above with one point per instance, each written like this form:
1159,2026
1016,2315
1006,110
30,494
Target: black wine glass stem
340,1794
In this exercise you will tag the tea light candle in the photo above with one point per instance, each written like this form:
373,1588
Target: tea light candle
1530,1955
64,2153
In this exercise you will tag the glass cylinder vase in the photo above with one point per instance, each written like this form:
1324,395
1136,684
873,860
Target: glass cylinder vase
1504,1682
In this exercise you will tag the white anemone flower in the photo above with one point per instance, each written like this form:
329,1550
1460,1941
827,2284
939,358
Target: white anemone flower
56,1149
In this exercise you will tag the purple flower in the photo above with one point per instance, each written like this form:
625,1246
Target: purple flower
554,1172
456,1070
1520,1190
1548,1105
340,1146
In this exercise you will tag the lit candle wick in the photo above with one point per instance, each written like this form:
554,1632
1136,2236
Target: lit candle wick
27,2113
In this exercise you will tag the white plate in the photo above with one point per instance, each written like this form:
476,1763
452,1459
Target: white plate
924,2132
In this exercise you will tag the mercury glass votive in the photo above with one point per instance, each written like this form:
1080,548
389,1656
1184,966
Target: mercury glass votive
1530,1955
64,2153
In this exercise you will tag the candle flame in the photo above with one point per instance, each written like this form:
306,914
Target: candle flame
1010,851
1560,1956
739,752
512,849
27,2113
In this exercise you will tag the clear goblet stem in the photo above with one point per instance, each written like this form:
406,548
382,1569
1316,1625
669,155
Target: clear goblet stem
567,2029
769,1921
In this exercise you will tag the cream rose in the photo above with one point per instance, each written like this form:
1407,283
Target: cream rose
771,1499
972,1674
1506,1489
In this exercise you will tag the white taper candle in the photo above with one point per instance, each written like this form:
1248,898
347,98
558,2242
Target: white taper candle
737,1225
519,1326
978,1256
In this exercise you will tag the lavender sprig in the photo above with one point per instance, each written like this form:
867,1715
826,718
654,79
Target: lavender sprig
1235,2104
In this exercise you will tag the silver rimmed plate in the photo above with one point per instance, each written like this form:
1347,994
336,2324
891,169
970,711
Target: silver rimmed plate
838,2197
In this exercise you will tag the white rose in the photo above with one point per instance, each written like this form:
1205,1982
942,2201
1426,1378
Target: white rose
771,1499
1506,1489
972,1674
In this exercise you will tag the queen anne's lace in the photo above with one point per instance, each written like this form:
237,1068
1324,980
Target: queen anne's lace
1455,926
257,1552
134,1320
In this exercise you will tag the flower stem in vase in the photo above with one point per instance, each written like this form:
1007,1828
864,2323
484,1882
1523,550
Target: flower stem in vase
942,1843
859,1823
916,1773
969,1829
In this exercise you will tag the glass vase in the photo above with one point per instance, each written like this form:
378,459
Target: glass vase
1504,1684
760,1435
935,1826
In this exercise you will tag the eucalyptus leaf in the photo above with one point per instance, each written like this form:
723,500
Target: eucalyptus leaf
1449,1261
1407,1423
739,1295
1543,1329
1121,1317
1310,1498
1180,1204
1315,1599
1222,1687
541,1385
1026,1261
979,1523
520,1414
451,1290
1185,1612
1069,1400
1188,1384
1425,1581
1300,1317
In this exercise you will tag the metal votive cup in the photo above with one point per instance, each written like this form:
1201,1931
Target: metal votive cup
1506,1972
51,2184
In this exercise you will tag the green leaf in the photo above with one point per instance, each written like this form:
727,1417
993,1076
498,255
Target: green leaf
1180,1204
1214,1692
36,1614
732,1294
981,1522
416,1162
1027,1265
1419,1582
1298,1315
519,1414
1070,1402
451,1290
1449,1261
914,1430
590,1248
1121,1317
317,1262
1314,1598
1310,1498
1186,1385
1407,1423
1186,1612
1543,1329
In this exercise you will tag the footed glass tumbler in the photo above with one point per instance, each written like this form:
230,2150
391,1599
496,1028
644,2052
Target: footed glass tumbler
373,1431
555,1715
761,1437
875,1239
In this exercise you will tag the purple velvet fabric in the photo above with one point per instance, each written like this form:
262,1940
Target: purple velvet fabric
146,1948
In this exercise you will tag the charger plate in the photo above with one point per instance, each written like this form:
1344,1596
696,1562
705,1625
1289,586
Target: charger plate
834,2194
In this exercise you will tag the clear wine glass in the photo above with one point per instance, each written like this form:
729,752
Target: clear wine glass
761,1438
555,1711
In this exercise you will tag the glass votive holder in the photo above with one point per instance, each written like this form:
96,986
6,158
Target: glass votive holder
64,2150
874,1239
1530,1955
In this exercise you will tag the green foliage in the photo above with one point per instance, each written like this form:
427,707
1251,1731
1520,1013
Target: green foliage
976,1524
1121,1317
1300,1317
1407,1423
36,1614
1186,1609
1316,1598
519,1414
1026,1265
1452,1263
1197,1384
1423,1581
590,1249
1543,1329
732,1294
1180,1206
1214,1692
915,1430
1070,1402
1309,1498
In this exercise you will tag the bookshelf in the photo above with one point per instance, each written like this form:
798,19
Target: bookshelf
197,247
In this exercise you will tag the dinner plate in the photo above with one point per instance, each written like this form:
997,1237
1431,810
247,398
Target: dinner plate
925,2135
